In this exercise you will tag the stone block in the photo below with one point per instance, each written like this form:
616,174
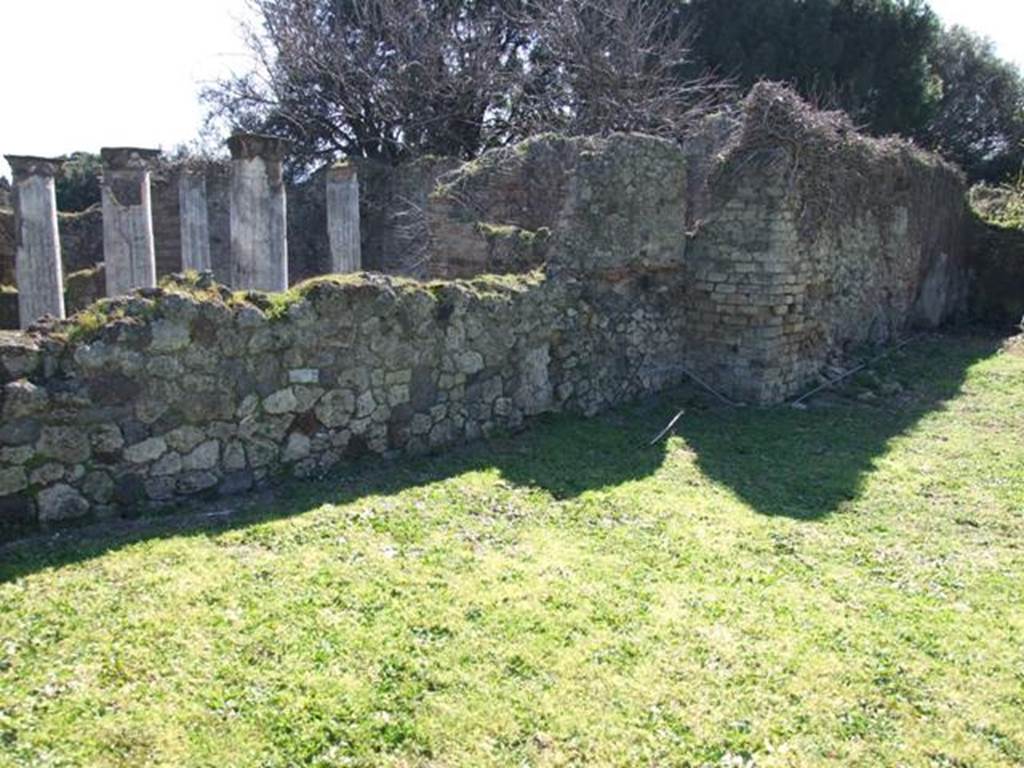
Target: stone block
12,481
68,445
61,502
282,401
146,451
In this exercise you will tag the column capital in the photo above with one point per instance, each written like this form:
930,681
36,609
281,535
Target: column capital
246,146
128,158
23,166
341,171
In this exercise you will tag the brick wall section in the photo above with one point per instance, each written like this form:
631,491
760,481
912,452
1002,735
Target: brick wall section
800,257
166,221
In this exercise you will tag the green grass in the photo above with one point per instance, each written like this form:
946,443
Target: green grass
1001,205
771,587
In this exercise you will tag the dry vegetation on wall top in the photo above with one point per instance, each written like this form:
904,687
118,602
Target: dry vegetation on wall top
837,172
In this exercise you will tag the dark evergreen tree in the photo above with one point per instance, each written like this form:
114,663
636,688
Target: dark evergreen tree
868,57
78,185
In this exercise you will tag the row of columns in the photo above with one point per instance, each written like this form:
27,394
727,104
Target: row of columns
258,222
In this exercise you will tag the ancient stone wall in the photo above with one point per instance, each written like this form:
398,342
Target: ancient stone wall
818,239
184,395
799,241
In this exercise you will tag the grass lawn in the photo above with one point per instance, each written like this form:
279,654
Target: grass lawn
842,585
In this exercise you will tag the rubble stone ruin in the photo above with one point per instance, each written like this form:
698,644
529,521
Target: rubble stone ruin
566,274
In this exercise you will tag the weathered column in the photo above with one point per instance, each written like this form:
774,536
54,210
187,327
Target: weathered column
37,266
195,221
259,237
343,218
128,247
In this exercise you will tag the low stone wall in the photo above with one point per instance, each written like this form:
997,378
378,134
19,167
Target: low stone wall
181,393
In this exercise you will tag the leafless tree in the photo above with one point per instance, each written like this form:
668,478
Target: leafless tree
624,65
394,78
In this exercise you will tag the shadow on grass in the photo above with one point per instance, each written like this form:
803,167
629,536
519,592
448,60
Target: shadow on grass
563,454
806,464
801,464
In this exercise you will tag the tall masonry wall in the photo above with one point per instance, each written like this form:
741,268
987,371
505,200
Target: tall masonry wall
639,269
802,238
818,239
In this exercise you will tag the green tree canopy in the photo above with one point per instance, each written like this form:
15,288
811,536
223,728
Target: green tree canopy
979,119
868,57
78,184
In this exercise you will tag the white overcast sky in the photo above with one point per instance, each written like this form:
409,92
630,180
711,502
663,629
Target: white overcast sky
80,75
